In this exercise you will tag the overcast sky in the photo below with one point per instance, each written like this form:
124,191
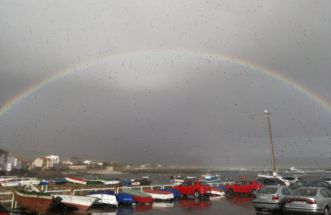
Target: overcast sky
144,89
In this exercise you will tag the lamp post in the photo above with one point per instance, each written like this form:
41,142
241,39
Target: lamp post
268,114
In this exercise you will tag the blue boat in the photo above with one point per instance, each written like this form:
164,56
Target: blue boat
124,198
173,191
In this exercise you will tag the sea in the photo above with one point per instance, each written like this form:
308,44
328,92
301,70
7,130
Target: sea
214,205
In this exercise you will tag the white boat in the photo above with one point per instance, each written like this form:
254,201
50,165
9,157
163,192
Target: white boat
76,180
82,203
216,192
160,194
111,182
19,182
104,197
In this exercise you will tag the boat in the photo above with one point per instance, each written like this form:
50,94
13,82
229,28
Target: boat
210,178
111,182
82,203
160,194
176,193
139,196
214,191
76,180
95,182
105,197
124,199
30,198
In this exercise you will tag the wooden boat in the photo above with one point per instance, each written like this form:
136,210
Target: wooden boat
76,180
160,194
32,199
82,203
139,196
106,197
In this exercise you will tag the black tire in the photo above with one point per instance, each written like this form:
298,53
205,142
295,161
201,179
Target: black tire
196,194
326,211
258,209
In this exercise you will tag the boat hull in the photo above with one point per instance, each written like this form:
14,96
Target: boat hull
76,180
82,203
107,199
142,199
34,202
160,194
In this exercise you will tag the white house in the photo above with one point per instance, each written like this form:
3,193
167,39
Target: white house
37,163
67,163
54,159
88,162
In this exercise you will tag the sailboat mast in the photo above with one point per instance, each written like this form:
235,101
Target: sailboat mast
267,114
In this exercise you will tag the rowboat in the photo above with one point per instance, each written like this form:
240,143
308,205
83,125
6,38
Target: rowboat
32,199
76,180
160,194
105,197
139,196
82,203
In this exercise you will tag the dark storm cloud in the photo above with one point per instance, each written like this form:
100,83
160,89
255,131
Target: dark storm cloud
165,107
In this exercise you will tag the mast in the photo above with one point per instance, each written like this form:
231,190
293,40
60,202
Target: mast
273,161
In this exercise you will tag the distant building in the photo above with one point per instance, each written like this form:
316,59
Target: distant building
13,163
55,159
67,163
88,162
77,167
3,159
37,163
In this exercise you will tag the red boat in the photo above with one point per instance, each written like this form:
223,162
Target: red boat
34,201
76,180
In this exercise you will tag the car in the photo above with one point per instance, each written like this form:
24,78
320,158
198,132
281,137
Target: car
298,184
315,200
243,187
270,198
290,179
270,181
193,187
320,183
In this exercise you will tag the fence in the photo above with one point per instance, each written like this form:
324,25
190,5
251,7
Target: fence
10,198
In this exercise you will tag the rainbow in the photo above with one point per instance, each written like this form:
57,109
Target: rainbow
323,102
